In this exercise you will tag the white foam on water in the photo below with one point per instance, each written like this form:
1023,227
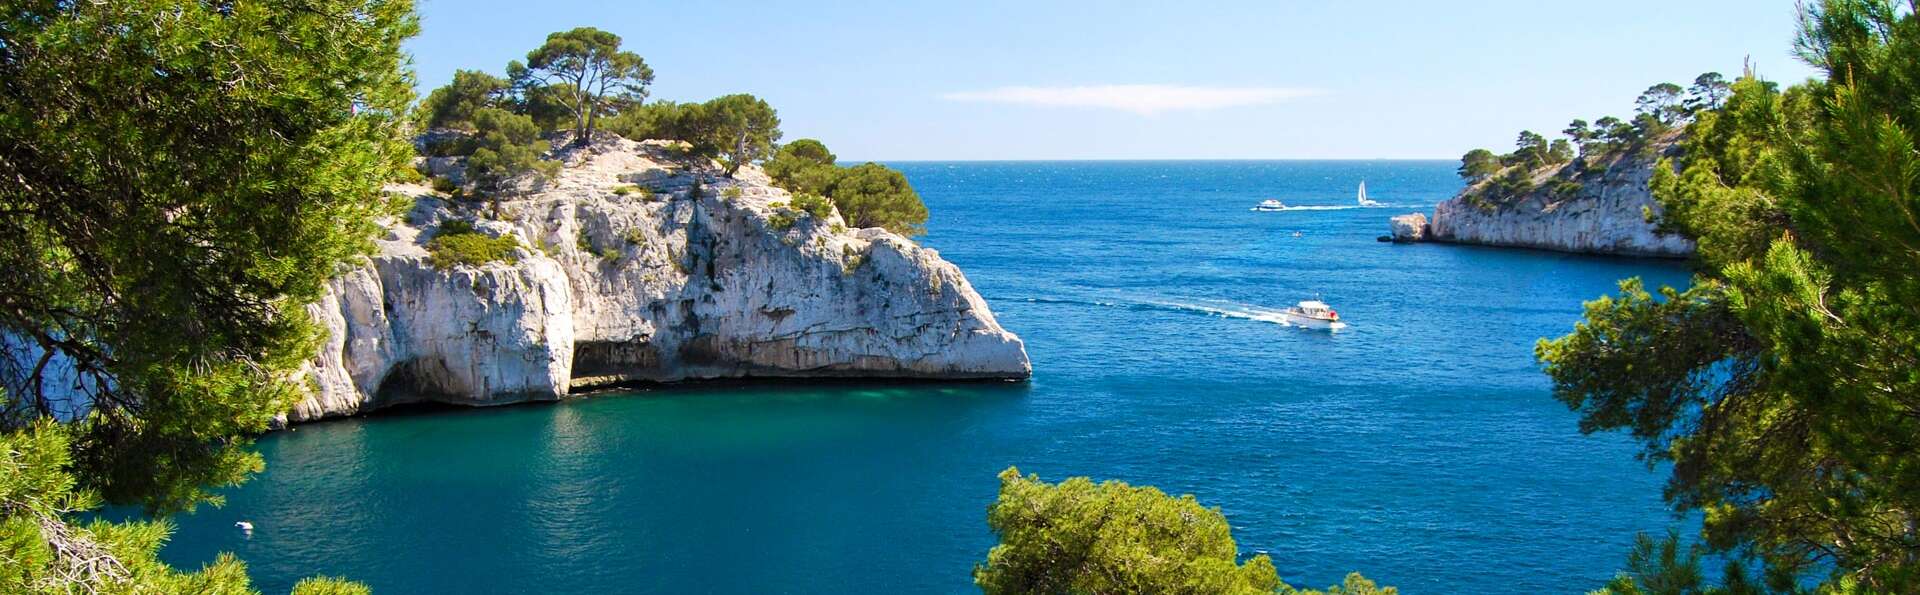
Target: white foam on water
1217,309
1225,310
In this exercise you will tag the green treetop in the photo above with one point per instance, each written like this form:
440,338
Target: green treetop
803,166
1479,164
588,74
874,195
1781,386
1709,92
740,129
1080,537
1662,102
453,106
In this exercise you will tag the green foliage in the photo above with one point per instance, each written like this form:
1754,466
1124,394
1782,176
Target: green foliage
1578,131
1559,152
165,226
1565,188
409,175
1510,186
46,552
1781,387
665,120
585,243
814,204
1662,103
454,105
1479,164
781,220
851,259
588,74
1082,537
731,192
786,214
398,204
1664,568
445,185
329,586
874,195
1530,151
632,190
803,166
457,243
507,146
634,236
740,129
1709,92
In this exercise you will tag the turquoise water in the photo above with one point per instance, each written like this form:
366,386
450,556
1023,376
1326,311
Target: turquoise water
1420,445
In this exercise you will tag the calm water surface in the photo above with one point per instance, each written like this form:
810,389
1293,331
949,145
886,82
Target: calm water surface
1420,445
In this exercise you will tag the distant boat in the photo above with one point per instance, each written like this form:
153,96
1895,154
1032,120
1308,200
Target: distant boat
1315,314
1270,205
1364,201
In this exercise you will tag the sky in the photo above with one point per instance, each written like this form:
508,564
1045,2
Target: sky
1195,79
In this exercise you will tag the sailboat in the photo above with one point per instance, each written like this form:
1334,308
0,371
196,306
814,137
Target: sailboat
1364,201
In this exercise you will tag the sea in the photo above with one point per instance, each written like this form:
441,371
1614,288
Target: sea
1421,446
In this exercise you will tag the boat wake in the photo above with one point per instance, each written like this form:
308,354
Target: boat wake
1325,208
1213,309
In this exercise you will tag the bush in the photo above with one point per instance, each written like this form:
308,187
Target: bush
1081,537
732,192
853,259
444,185
814,204
632,190
585,244
634,236
874,195
398,204
781,220
1564,188
458,243
409,175
803,166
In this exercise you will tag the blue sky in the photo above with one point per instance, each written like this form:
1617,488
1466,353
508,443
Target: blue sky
997,79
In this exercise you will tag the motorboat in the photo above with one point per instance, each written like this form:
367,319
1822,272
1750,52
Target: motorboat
1314,314
1270,205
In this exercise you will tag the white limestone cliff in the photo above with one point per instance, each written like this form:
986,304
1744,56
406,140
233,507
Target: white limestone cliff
1606,215
684,273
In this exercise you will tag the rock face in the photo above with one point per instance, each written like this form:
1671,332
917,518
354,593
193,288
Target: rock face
1408,228
1605,215
640,265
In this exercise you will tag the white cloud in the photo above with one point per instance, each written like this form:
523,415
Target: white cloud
1145,100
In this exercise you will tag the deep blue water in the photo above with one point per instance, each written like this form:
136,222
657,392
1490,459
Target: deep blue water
1420,445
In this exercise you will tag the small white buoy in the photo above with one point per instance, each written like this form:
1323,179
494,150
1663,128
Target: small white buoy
245,527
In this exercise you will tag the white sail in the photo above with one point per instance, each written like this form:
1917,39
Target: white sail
1364,201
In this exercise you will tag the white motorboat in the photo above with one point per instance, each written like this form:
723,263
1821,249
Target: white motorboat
1364,201
1314,314
1270,205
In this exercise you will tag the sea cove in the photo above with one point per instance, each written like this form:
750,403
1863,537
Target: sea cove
1420,445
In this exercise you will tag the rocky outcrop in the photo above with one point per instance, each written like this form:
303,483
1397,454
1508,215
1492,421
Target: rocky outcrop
1408,228
1594,208
641,265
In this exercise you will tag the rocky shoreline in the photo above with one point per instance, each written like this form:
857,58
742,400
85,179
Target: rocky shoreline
641,265
1611,213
